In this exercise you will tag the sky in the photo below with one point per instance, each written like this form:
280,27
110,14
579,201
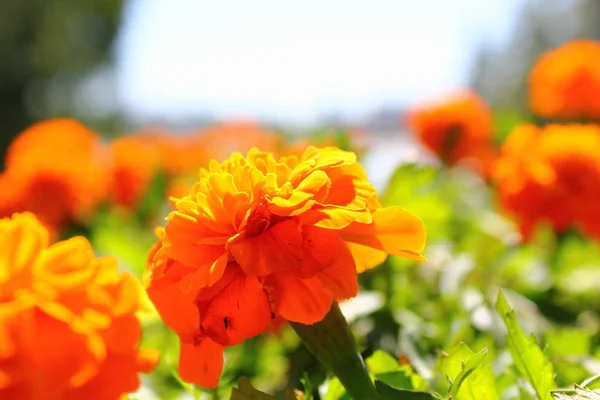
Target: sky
297,61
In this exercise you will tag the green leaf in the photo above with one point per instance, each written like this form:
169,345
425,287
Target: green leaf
527,355
336,391
387,369
387,392
471,378
381,362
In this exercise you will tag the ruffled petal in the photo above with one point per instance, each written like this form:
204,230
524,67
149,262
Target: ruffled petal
298,198
349,188
276,249
21,242
62,263
206,275
192,243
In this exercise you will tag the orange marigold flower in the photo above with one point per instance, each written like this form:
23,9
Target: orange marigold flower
184,153
135,164
456,128
551,174
68,328
57,170
222,139
180,154
259,238
565,82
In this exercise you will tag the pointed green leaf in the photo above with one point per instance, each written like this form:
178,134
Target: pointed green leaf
386,368
381,362
470,376
527,355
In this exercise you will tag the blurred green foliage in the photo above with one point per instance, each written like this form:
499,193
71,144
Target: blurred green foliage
47,47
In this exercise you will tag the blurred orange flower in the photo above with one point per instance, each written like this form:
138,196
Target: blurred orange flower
551,174
57,170
135,164
180,154
351,137
258,238
565,82
220,140
68,328
297,147
185,153
456,128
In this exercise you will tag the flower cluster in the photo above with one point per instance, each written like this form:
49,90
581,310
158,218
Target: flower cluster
456,128
565,82
62,171
551,174
68,326
258,238
56,169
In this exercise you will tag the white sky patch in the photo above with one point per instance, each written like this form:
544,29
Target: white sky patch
296,61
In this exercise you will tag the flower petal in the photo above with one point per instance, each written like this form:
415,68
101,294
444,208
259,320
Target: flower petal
276,249
62,263
366,257
308,308
327,258
238,312
206,275
189,240
322,249
349,189
306,190
394,230
335,217
201,364
178,310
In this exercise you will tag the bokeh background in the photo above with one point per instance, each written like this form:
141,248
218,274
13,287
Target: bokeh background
119,65
179,66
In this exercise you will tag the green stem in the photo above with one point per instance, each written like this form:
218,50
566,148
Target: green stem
332,342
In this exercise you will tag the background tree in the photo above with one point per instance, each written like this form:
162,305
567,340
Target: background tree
48,48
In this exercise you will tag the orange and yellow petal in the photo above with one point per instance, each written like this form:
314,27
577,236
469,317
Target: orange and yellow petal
394,230
201,363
